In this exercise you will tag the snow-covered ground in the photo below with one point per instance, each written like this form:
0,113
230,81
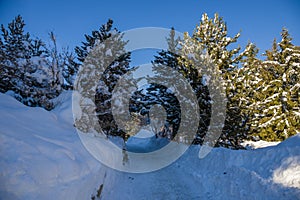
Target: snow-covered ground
258,144
42,157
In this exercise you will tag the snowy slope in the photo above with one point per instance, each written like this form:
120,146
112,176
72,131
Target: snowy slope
43,158
41,155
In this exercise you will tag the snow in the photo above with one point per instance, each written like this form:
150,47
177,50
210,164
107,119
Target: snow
191,56
296,113
42,157
271,62
108,52
289,173
258,144
205,79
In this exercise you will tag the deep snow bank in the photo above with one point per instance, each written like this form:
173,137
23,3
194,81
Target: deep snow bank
43,158
41,154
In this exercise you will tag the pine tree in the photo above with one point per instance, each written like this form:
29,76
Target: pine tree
24,66
285,44
250,54
213,35
211,38
241,90
209,46
104,49
69,69
170,58
63,66
272,54
272,102
152,95
99,36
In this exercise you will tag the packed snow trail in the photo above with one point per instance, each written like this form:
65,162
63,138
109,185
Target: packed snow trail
42,158
267,173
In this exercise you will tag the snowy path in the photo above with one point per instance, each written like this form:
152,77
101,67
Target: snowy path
270,173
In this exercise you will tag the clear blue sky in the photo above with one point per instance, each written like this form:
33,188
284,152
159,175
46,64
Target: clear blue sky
259,20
